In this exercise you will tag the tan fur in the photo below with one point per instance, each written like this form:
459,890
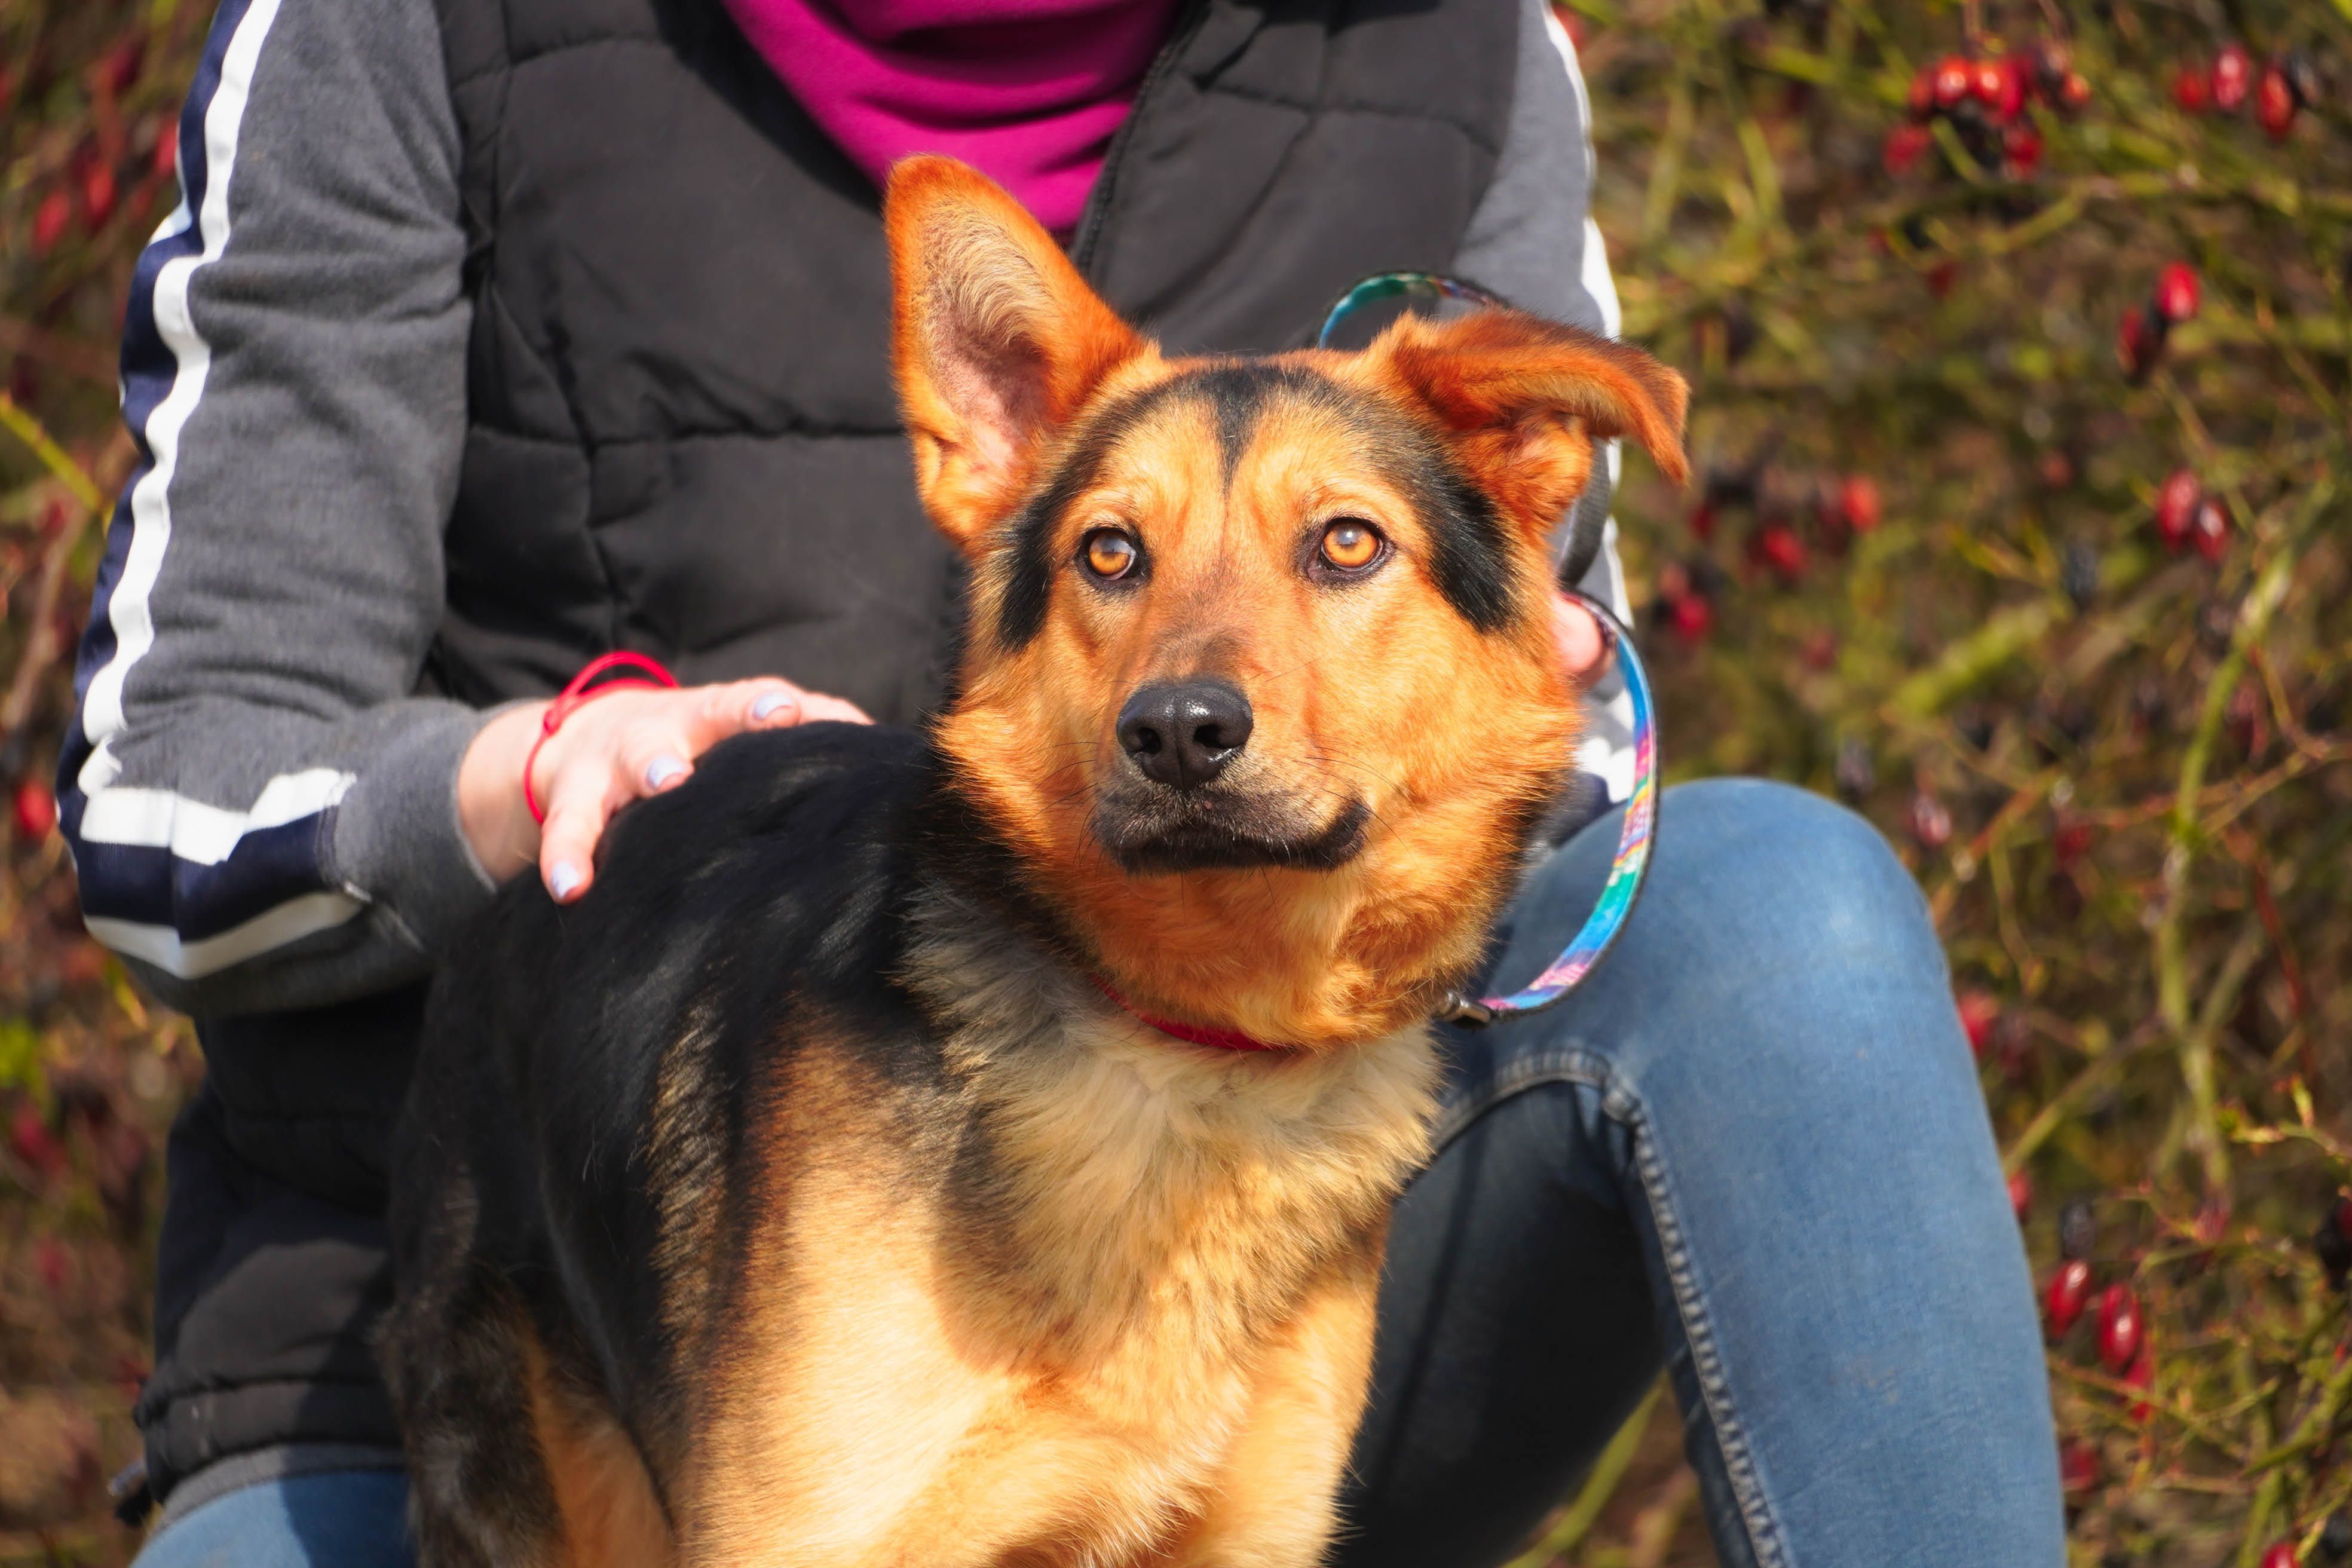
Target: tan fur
603,1497
1275,1501
1183,1276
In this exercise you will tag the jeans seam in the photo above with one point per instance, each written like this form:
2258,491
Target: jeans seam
1764,1534
1562,1066
1570,1065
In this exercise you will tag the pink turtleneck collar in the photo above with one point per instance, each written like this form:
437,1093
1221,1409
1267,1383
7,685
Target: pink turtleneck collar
1027,91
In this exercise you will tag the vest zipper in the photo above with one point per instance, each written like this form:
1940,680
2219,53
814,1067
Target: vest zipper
1098,200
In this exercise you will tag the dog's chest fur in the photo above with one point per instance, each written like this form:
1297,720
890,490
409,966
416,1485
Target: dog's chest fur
1048,1292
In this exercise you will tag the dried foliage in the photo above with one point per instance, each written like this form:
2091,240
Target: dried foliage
89,91
1963,290
2024,422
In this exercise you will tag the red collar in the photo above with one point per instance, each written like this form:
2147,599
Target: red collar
1222,1039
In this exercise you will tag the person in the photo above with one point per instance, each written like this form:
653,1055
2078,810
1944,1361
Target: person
493,335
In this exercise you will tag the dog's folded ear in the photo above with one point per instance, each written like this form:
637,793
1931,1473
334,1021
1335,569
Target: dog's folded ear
1521,400
996,340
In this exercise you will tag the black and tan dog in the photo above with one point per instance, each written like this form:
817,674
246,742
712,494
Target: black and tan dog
820,1191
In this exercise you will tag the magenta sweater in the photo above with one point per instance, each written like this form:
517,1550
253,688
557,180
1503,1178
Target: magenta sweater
1028,91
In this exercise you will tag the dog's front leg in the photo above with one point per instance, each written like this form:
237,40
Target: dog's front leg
1275,1499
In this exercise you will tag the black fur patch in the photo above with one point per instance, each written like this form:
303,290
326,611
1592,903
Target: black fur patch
1469,557
1238,393
1233,842
1028,564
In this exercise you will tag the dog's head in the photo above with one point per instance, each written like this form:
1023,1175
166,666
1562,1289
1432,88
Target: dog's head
1260,684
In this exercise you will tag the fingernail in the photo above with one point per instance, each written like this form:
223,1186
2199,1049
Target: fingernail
564,881
661,770
770,703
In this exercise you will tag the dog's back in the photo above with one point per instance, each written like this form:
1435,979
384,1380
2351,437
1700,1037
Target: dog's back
582,1131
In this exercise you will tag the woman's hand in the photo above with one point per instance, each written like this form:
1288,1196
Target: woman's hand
1581,647
631,743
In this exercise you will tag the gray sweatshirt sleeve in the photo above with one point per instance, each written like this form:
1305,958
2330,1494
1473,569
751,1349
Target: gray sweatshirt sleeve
261,811
1533,241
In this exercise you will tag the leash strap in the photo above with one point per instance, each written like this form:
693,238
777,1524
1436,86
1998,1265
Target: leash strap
1635,839
578,690
1627,872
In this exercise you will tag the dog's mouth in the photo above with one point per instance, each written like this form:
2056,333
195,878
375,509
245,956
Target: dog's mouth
1153,831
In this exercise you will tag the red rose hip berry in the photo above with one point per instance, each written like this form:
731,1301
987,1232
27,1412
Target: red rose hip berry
1776,547
49,221
30,1140
124,64
2000,86
2274,104
2068,1292
2233,78
1692,617
2021,146
2176,506
2177,292
1905,145
2122,1329
1921,101
2192,89
2208,531
1979,1010
99,194
35,811
1858,503
1954,78
2142,1377
2071,842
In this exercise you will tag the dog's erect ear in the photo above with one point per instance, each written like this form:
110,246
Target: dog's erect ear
1520,399
996,340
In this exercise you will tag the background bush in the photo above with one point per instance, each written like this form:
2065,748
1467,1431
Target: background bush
2058,599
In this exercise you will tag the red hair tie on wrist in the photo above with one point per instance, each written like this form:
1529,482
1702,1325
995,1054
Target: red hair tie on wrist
576,693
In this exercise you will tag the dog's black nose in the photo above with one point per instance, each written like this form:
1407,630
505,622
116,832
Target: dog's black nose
1184,734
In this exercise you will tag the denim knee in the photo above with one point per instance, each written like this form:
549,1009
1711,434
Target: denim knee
1788,877
1777,931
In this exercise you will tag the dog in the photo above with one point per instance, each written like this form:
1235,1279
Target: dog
976,1147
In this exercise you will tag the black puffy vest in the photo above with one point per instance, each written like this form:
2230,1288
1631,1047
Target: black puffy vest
682,440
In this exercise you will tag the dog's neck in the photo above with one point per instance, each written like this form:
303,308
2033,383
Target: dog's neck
1127,1165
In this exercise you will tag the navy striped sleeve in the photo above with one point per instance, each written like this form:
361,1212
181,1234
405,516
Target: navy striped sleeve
292,376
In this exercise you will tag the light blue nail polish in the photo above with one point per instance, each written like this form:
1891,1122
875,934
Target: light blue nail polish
768,704
564,881
661,770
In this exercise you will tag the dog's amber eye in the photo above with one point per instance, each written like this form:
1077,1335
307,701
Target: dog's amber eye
1108,552
1351,545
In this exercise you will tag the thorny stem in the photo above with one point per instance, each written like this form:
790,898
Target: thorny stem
68,473
2195,1044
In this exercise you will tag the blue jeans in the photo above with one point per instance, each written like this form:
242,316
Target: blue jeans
1751,1150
